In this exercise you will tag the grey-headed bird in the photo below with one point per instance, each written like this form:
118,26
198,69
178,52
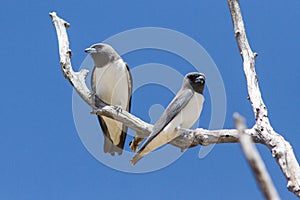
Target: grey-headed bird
111,81
181,113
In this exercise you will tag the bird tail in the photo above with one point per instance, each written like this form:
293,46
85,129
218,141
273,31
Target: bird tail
136,158
109,147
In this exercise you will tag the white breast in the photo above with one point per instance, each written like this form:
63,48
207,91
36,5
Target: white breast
111,83
186,118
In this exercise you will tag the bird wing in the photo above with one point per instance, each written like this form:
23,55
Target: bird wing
129,78
109,147
125,128
137,140
176,105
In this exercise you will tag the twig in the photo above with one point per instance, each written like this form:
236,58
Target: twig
281,149
258,167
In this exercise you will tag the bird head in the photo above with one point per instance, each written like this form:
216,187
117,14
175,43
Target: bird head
102,54
196,80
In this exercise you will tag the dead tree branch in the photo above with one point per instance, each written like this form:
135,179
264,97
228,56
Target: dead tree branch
281,149
77,80
257,164
262,132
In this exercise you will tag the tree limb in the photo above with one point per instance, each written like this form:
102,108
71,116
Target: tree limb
262,132
143,129
281,149
258,167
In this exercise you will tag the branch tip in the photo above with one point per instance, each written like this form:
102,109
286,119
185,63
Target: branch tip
52,14
239,122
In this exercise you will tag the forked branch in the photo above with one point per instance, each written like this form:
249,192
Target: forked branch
281,149
262,132
77,80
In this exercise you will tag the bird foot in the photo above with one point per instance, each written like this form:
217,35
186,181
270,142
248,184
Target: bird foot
178,128
94,111
117,108
92,93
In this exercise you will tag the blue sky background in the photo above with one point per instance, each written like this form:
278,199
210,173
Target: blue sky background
42,154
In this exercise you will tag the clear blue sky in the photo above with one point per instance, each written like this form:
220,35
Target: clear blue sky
41,152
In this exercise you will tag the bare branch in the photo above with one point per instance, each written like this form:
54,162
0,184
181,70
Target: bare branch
77,79
262,132
143,129
258,167
281,149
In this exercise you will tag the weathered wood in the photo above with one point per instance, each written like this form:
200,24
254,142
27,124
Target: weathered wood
262,131
281,149
256,163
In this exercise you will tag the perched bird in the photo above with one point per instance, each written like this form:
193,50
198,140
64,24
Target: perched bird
181,113
111,81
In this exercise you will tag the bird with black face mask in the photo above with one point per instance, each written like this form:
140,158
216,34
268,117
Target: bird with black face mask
181,113
111,81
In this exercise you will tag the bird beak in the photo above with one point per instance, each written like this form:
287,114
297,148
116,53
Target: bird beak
200,79
90,50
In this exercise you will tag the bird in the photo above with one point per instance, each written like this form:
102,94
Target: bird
111,81
182,112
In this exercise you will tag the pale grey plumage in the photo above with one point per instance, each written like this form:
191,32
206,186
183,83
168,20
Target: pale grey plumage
111,81
183,111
